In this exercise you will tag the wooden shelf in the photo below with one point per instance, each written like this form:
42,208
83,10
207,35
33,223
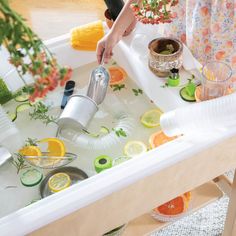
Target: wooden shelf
201,196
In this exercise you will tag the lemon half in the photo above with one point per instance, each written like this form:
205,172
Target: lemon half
134,148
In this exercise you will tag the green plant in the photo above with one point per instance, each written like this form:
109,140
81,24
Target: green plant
154,11
5,94
120,132
19,162
29,55
117,87
40,112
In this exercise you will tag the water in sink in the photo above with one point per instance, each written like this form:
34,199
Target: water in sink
120,109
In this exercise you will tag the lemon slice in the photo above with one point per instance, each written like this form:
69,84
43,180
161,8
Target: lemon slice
59,182
151,118
134,148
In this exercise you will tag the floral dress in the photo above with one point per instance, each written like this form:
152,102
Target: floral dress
208,27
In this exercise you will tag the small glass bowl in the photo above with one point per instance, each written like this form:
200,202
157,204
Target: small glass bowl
50,162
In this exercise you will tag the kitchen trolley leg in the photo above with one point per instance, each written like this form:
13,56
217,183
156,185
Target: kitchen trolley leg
231,213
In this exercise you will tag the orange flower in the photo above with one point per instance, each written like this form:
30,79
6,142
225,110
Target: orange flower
229,44
233,78
220,55
207,49
174,15
234,60
205,32
216,28
229,5
204,11
183,38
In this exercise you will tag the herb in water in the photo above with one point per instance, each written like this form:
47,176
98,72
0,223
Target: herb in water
120,132
137,91
117,87
19,162
41,113
31,142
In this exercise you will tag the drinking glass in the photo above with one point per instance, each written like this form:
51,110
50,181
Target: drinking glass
215,80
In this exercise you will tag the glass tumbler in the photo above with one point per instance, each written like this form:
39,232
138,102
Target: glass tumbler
215,80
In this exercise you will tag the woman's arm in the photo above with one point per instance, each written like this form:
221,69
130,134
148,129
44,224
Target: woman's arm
106,44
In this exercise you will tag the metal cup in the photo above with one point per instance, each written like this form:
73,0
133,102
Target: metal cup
78,112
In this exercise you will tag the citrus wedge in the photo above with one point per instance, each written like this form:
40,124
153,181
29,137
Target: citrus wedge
56,147
31,151
59,182
134,148
117,75
158,139
174,207
151,118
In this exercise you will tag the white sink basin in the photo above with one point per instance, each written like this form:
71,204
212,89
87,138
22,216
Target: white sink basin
19,219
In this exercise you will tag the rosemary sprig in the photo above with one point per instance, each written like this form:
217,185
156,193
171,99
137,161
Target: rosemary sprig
40,112
31,142
137,91
19,162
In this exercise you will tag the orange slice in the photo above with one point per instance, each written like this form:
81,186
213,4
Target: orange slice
174,207
117,74
56,147
158,139
31,151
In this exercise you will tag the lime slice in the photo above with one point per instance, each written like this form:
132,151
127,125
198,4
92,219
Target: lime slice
22,98
23,107
31,177
12,116
151,118
59,182
134,148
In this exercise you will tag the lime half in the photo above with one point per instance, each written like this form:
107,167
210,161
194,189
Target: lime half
134,148
151,118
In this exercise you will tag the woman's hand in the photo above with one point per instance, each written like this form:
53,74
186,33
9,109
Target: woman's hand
105,47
